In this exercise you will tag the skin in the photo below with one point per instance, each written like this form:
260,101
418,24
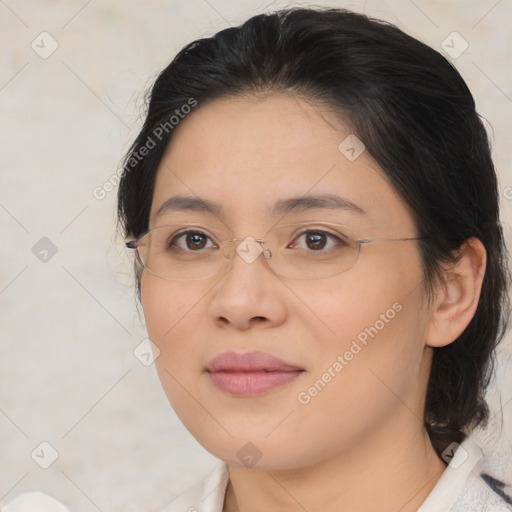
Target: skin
360,443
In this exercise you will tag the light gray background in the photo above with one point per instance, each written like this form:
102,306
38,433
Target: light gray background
69,325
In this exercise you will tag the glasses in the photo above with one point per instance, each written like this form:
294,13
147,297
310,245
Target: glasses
294,251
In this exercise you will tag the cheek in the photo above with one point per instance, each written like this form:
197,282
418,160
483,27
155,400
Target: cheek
369,369
172,311
168,304
374,319
375,294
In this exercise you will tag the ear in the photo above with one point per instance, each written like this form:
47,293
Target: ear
457,299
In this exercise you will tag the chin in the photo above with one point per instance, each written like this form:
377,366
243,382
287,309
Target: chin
258,452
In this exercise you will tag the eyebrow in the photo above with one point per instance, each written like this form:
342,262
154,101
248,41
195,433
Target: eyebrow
280,207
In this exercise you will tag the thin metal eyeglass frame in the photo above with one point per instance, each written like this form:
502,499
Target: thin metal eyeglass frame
133,244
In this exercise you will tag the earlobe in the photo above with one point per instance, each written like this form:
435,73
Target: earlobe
457,298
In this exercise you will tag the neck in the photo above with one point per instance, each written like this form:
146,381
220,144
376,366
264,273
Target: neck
393,469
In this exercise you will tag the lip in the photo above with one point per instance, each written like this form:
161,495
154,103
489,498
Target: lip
250,373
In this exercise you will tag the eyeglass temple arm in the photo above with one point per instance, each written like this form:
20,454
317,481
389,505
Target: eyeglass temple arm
368,240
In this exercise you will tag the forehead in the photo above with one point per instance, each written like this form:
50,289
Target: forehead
247,154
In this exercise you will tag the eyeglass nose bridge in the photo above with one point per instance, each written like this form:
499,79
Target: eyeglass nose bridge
249,249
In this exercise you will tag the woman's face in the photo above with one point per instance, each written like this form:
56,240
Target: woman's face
355,340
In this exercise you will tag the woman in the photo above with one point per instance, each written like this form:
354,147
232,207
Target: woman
321,266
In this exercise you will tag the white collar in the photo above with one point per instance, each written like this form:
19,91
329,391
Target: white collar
464,458
206,495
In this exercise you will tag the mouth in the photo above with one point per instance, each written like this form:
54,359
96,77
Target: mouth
250,374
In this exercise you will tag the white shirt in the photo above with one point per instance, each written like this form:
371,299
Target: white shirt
460,488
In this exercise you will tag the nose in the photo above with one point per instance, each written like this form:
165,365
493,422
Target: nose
249,294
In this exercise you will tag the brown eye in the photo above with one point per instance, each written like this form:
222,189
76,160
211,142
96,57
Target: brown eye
196,240
317,241
190,241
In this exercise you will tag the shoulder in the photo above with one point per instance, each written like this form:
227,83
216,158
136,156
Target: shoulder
465,486
483,494
207,495
34,501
